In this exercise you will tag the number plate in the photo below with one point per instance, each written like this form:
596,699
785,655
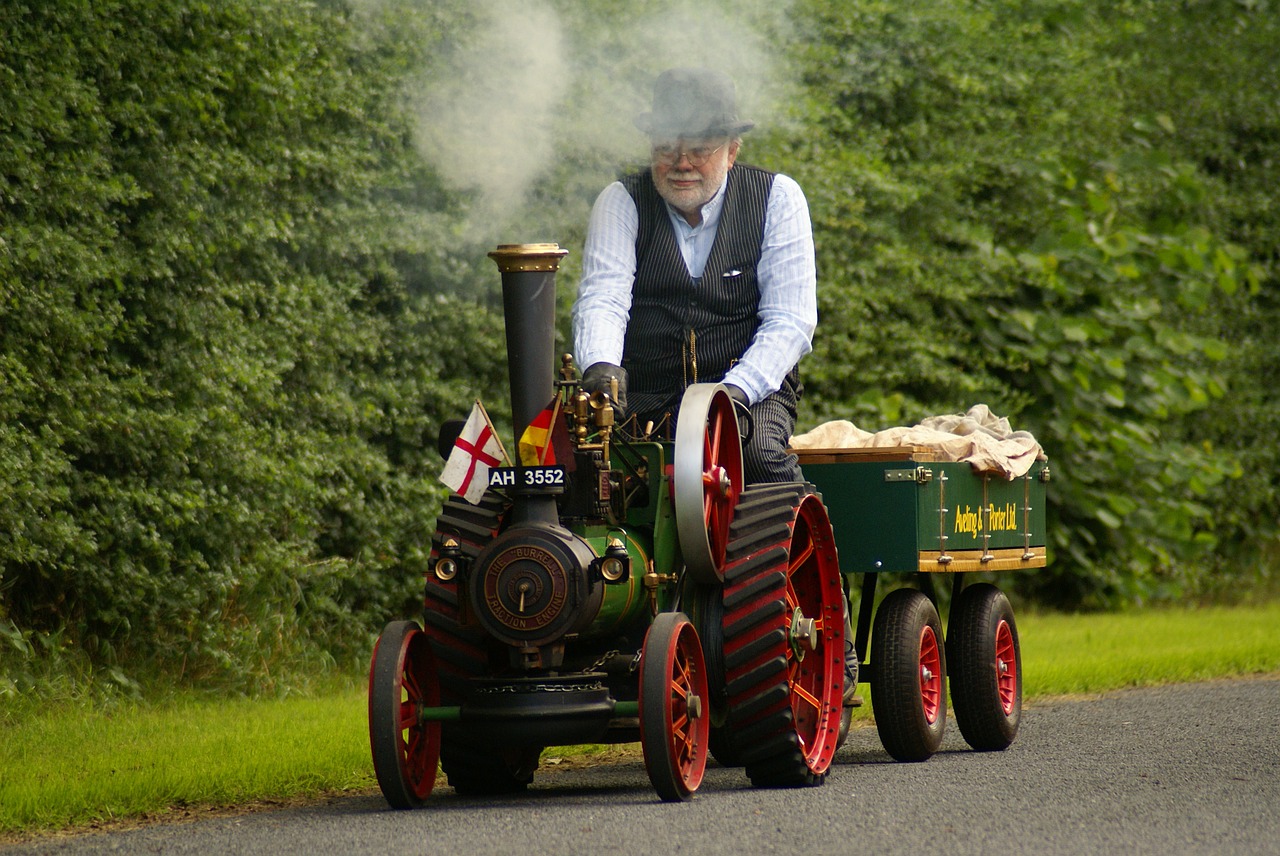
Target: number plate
527,477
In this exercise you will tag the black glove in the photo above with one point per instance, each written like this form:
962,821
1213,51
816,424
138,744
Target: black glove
742,407
738,395
599,377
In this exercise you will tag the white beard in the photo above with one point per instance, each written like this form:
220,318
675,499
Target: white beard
694,197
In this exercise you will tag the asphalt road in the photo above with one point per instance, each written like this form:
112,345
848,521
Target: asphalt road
1191,769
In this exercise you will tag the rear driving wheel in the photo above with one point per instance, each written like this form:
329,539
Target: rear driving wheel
783,637
674,707
986,678
909,664
815,661
405,747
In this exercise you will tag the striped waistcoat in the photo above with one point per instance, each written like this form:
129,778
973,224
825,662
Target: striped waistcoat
684,330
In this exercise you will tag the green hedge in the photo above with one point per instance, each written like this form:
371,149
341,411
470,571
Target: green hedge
219,387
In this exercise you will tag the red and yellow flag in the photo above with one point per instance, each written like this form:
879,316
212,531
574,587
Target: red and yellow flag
545,442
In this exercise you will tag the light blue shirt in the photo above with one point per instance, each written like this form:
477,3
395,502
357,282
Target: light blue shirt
787,277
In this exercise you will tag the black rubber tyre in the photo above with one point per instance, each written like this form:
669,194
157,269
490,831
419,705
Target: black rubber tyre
674,707
784,695
403,680
473,767
706,611
986,668
908,691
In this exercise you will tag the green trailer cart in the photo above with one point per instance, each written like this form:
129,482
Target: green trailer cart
898,511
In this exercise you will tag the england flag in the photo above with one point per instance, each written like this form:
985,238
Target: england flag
475,452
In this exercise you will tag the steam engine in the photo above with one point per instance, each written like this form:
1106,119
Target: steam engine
633,590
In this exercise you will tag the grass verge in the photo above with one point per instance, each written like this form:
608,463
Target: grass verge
75,766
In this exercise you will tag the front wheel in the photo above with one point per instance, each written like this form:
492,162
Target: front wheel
405,747
908,690
986,678
674,707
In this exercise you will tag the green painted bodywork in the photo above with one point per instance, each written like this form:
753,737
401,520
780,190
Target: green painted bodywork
649,532
886,513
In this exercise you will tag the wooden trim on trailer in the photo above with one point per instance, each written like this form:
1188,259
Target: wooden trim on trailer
1006,559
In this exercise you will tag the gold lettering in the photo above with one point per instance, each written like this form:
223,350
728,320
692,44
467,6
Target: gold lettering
1003,519
968,521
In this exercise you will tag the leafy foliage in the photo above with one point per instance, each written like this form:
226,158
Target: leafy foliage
219,389
992,227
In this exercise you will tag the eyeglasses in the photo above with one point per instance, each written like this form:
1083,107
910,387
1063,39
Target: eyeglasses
669,155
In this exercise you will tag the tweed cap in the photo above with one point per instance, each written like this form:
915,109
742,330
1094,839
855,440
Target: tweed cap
693,102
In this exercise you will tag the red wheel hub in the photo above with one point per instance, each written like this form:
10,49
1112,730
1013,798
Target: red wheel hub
1006,668
930,675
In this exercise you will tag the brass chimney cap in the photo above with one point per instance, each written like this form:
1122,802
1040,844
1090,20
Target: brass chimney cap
518,258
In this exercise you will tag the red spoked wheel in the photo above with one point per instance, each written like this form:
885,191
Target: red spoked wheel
986,678
909,666
402,682
783,637
707,479
815,658
674,707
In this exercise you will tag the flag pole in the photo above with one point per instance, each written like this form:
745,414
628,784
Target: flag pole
496,435
555,414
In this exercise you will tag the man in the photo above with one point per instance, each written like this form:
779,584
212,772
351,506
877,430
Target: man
700,270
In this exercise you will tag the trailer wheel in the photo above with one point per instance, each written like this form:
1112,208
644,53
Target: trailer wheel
706,479
674,707
909,665
402,681
986,677
783,637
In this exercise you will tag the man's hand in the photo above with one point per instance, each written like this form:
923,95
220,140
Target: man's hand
738,395
599,377
742,406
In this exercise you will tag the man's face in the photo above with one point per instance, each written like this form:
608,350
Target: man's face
689,171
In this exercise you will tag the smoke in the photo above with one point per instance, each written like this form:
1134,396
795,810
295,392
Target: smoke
487,125
528,90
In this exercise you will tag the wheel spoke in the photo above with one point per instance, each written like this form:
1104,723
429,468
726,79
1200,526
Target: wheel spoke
800,691
408,714
799,560
415,743
713,436
410,681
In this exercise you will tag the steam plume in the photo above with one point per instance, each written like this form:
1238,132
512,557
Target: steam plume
529,89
